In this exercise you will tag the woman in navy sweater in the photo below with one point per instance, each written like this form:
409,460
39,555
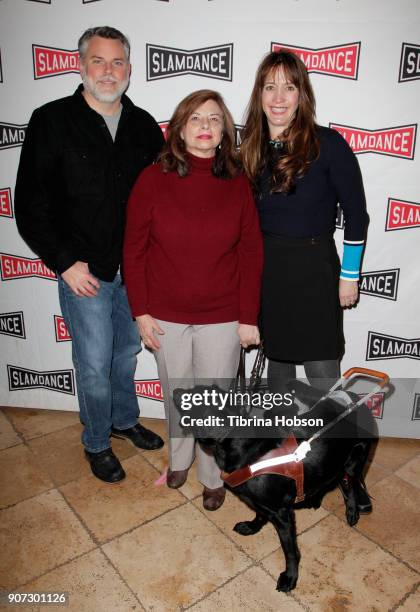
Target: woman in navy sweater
192,264
300,171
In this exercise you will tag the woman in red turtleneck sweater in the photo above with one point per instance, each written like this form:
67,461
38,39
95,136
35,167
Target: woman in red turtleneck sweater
192,264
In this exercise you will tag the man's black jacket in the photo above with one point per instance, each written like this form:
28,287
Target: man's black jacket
73,181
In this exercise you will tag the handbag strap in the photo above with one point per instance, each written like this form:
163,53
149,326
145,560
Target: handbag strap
240,381
256,372
257,369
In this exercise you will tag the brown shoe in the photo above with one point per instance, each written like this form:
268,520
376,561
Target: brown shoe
176,478
213,498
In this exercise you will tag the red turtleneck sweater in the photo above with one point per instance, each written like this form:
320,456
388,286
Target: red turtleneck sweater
193,248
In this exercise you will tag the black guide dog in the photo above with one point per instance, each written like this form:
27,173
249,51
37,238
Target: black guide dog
343,450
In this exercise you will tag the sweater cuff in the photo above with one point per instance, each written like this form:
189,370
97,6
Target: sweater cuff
248,318
352,255
65,260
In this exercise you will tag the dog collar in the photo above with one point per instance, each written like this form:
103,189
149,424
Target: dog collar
285,460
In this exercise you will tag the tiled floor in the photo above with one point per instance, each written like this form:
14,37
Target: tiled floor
137,546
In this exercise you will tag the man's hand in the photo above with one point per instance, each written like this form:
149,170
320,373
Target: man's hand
80,280
248,335
348,292
147,327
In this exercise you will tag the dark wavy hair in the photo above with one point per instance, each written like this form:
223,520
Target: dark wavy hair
301,140
173,156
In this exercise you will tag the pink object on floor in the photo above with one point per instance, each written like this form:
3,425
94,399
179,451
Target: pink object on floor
162,478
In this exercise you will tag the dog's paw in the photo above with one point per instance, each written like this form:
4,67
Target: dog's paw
286,583
352,516
245,528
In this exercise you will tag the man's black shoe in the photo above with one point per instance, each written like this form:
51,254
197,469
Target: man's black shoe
105,466
139,436
364,504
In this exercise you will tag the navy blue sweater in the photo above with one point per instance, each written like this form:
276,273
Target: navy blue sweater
310,209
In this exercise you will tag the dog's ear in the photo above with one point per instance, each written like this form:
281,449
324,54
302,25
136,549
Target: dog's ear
305,393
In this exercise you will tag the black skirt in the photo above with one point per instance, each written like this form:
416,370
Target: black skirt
301,317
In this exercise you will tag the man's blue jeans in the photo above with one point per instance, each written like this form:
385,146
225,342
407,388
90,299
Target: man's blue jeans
105,344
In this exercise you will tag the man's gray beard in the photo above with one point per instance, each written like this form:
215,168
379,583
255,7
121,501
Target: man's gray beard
110,97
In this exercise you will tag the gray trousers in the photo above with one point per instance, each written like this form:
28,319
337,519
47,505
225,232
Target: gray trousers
193,352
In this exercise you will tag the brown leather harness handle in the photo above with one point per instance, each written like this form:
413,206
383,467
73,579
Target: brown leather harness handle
384,378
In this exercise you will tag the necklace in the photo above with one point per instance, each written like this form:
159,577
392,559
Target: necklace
276,144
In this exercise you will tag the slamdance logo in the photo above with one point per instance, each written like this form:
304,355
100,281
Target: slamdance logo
380,283
49,61
382,346
13,267
12,324
150,389
395,141
402,215
61,381
212,62
375,403
416,408
12,135
410,63
6,202
62,333
339,61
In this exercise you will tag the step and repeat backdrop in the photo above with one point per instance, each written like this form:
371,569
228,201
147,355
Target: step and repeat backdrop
364,63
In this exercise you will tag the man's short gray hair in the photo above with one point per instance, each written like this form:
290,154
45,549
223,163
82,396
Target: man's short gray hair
103,32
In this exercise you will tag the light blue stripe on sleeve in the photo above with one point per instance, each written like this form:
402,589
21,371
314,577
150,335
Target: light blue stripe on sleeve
352,255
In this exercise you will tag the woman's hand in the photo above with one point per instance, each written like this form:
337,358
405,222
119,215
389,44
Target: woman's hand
248,335
147,328
348,292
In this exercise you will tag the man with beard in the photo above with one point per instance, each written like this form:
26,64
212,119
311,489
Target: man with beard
80,158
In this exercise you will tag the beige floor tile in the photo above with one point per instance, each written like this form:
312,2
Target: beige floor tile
38,534
411,472
392,453
394,522
61,453
91,584
32,423
110,510
412,603
176,559
8,436
342,570
252,591
20,475
233,511
263,542
307,517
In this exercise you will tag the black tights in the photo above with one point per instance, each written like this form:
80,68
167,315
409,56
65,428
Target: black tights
320,374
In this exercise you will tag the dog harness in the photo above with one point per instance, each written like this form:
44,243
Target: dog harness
285,460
